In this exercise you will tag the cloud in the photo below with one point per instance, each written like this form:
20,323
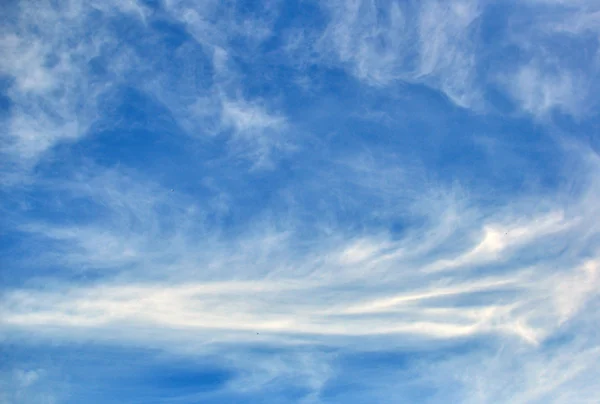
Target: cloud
443,46
288,196
207,291
539,92
31,386
165,279
257,133
428,43
560,375
52,99
64,79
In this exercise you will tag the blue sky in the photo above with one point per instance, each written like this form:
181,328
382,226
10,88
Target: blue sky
299,201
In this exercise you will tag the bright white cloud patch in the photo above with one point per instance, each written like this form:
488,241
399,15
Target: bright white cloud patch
299,202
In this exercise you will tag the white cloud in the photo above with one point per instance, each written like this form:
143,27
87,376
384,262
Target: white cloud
31,385
26,378
155,271
246,118
498,240
539,91
524,376
257,133
524,274
54,97
447,49
174,277
63,77
213,104
439,44
427,43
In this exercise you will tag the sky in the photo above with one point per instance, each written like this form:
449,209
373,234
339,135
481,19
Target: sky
297,201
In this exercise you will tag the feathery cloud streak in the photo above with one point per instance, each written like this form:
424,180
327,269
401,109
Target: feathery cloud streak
283,202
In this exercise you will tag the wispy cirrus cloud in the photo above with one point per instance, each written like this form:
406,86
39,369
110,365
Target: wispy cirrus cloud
281,202
446,46
430,43
63,78
53,94
428,280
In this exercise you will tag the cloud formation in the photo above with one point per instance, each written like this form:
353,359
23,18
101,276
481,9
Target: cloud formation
284,202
